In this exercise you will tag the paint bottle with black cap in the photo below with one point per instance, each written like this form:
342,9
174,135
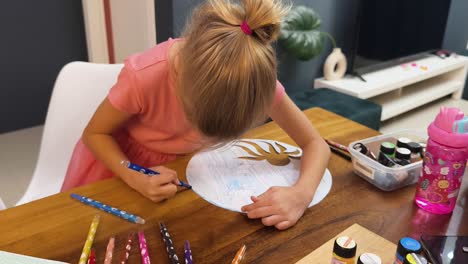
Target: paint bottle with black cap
403,142
344,251
402,156
416,151
406,245
386,154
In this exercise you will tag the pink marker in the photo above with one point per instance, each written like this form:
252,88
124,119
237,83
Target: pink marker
143,248
109,251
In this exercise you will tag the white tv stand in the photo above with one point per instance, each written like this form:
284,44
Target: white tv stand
407,86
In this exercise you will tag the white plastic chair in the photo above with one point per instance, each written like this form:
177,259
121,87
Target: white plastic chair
79,89
2,205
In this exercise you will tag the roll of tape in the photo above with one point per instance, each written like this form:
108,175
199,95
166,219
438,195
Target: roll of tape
335,65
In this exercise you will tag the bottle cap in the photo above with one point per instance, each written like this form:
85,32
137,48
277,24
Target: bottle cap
414,259
403,153
361,148
369,258
408,245
387,148
415,147
403,142
345,247
441,129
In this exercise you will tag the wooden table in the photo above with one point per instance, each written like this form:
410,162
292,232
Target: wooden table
56,227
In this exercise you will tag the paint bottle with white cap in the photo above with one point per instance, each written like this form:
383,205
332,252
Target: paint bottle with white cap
369,258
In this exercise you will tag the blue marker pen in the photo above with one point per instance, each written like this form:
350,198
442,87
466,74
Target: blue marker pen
108,209
148,172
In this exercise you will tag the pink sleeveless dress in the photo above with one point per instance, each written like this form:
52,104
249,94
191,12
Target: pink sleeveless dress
157,132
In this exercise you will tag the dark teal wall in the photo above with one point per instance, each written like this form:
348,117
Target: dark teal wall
47,34
338,18
37,39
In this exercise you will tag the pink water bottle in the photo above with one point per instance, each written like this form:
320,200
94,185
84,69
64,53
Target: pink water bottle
444,162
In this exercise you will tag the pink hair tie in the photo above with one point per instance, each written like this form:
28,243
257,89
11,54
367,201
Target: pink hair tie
245,28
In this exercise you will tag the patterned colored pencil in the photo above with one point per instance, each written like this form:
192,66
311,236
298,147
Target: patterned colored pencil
109,251
108,209
143,248
166,237
188,253
92,257
239,255
340,153
337,145
127,249
89,240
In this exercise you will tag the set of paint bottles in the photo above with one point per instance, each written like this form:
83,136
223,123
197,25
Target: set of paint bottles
402,154
344,252
444,162
408,252
406,246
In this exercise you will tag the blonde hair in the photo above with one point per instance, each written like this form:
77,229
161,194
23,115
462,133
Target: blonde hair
226,79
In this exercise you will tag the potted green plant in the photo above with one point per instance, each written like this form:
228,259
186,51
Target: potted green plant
301,37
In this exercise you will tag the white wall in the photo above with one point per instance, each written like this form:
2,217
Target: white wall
133,27
95,27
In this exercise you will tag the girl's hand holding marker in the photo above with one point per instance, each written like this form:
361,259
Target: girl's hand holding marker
157,188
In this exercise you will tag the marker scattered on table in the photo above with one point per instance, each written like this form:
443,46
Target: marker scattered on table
340,153
92,257
149,172
166,237
127,249
339,149
109,251
108,209
89,240
143,248
188,253
337,145
239,255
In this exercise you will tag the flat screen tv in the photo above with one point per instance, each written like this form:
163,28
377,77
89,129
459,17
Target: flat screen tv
391,32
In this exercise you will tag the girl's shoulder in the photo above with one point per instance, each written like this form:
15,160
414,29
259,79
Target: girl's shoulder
158,54
143,80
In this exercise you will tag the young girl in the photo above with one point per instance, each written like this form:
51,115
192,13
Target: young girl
207,88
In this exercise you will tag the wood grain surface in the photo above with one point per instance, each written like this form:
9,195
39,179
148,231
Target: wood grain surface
55,227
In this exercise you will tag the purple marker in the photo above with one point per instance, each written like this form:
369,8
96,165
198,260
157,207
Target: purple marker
148,172
187,253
